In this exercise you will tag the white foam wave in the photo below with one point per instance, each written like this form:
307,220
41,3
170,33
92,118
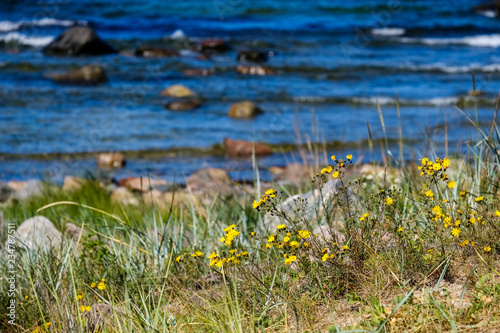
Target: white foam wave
6,26
388,31
388,101
442,67
16,37
178,34
479,41
488,13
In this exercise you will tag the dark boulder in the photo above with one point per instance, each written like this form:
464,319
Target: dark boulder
154,52
77,41
252,56
5,191
86,75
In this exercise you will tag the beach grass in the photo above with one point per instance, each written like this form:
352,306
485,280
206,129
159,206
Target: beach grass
411,248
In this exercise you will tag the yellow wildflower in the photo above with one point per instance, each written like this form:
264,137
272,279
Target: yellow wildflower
345,247
286,239
304,234
451,184
400,229
497,213
290,259
456,232
436,166
335,174
429,194
325,257
93,285
326,170
479,199
271,193
271,238
281,226
446,163
333,158
389,201
487,249
349,157
269,245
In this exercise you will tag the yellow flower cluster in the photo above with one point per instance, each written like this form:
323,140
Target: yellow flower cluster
231,234
336,170
294,241
43,328
100,285
268,194
217,261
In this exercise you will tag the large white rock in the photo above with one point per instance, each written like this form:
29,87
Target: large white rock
37,233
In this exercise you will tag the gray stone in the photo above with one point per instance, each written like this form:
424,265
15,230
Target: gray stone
211,181
30,188
36,233
77,41
314,208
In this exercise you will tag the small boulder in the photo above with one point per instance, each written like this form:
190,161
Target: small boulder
143,184
178,90
254,70
212,44
124,196
111,160
183,104
240,148
211,181
72,231
77,41
5,191
72,183
198,72
154,52
245,109
28,189
86,75
251,56
37,233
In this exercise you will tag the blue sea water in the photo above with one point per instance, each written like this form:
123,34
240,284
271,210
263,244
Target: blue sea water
334,61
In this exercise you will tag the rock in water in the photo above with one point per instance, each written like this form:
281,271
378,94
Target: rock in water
490,6
178,90
37,233
86,75
111,160
77,41
183,104
154,52
240,148
245,109
252,56
211,181
214,44
254,70
143,184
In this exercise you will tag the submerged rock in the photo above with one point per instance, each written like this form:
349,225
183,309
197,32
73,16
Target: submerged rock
154,52
212,44
198,72
245,109
77,41
252,56
111,160
241,148
86,75
211,181
183,104
36,233
490,6
178,90
254,70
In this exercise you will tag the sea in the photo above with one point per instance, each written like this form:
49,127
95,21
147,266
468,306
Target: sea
374,78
